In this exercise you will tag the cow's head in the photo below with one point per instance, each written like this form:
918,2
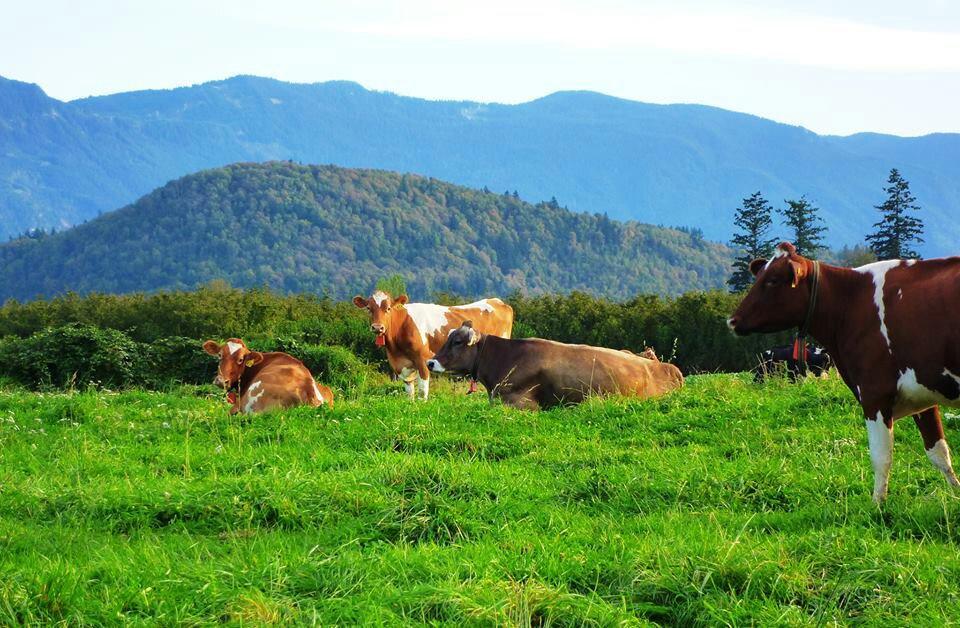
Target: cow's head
235,358
380,304
459,353
779,296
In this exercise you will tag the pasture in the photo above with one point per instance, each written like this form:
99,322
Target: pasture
726,503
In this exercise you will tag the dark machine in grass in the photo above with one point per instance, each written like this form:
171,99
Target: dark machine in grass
785,357
890,329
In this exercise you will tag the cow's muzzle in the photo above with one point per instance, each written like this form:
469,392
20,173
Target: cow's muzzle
378,328
435,366
736,326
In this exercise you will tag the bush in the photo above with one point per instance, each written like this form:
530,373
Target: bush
176,360
74,355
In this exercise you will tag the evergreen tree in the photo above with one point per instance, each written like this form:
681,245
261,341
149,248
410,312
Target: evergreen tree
802,218
898,228
753,218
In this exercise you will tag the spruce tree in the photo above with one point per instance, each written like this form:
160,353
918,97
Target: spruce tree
898,228
802,217
753,218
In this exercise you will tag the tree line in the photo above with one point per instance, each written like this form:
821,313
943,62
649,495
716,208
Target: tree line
154,339
894,235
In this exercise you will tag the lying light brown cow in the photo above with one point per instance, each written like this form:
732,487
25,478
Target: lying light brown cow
264,381
534,373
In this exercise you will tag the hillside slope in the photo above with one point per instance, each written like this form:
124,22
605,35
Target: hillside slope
661,164
335,230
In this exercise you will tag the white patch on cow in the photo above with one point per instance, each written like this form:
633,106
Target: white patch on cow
434,365
251,398
947,373
316,391
910,262
780,253
406,373
409,387
900,293
912,396
424,388
879,272
233,347
483,305
939,456
379,297
880,438
428,318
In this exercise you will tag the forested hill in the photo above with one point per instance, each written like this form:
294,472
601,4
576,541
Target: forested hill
333,230
64,162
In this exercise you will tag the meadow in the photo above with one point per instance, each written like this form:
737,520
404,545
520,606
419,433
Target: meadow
726,503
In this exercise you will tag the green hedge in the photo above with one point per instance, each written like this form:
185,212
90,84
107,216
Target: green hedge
690,329
81,356
71,356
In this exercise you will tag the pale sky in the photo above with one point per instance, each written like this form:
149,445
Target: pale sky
881,65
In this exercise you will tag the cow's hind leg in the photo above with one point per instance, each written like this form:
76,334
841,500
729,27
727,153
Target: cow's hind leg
880,438
931,430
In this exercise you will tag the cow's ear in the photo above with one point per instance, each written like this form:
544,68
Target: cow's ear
474,338
400,300
799,270
211,347
254,357
468,324
360,302
756,266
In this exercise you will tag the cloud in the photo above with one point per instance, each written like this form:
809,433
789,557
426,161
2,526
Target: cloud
807,40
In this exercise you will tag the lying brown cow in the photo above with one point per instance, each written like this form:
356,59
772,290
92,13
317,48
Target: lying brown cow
264,381
413,332
534,373
891,329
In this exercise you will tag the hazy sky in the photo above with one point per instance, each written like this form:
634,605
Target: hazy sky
880,65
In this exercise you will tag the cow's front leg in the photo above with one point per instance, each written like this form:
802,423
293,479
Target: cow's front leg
880,437
408,375
931,430
423,379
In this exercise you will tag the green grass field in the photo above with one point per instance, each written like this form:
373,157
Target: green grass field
727,503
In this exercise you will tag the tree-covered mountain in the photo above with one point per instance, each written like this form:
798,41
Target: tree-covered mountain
62,162
333,230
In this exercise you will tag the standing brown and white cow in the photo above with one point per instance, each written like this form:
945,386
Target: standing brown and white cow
533,373
413,332
891,329
264,381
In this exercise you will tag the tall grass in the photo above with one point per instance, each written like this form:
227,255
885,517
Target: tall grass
726,503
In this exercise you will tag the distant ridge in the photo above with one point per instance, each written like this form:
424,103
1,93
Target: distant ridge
65,162
335,231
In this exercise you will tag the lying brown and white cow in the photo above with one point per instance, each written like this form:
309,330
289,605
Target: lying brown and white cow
534,373
891,329
413,332
264,381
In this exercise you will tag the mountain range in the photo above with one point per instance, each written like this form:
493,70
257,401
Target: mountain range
325,229
65,162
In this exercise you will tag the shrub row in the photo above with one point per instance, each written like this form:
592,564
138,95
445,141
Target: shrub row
690,330
79,355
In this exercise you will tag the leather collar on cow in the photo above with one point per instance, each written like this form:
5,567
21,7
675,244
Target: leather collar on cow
476,361
800,343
